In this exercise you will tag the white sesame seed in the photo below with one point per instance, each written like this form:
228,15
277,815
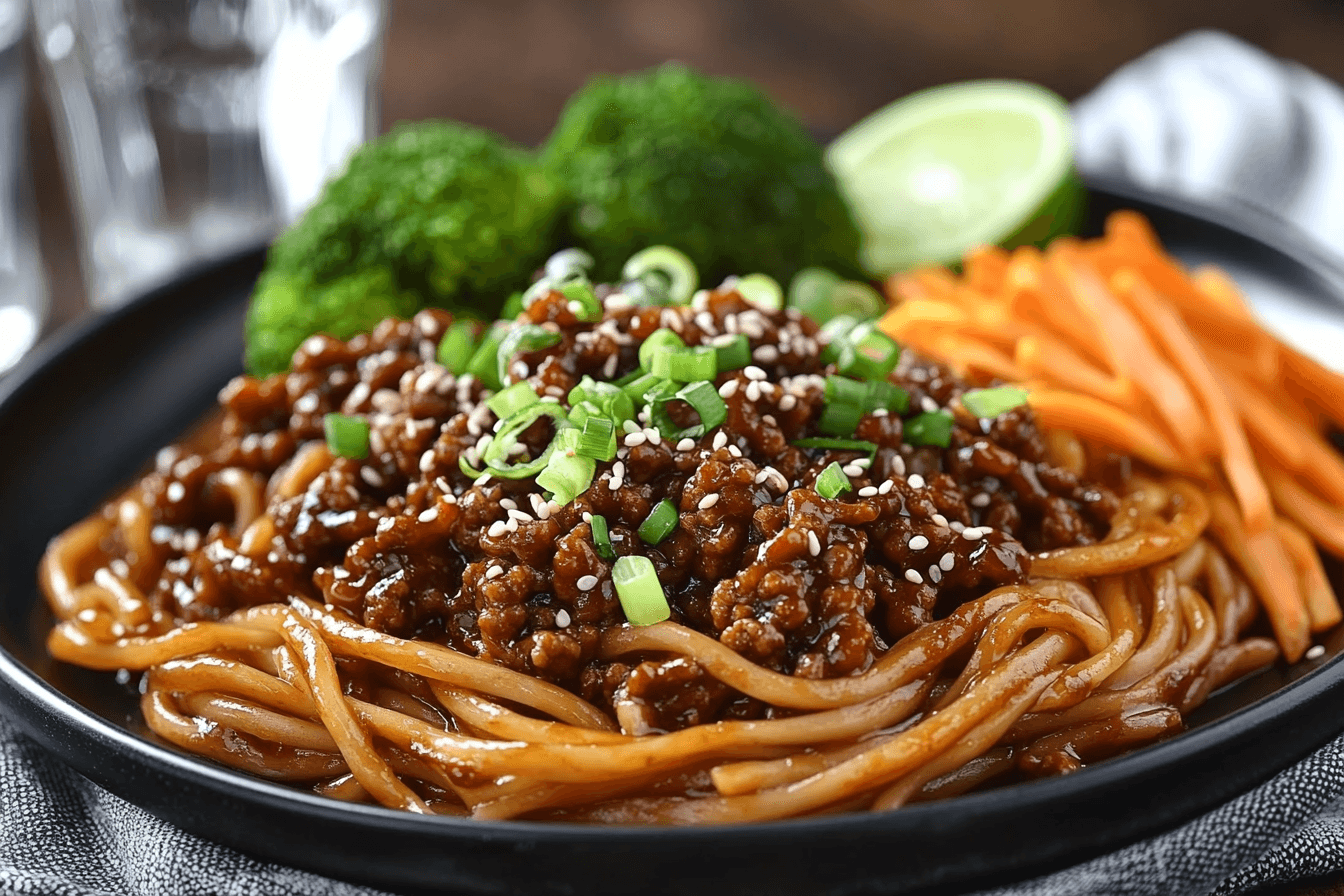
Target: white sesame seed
973,533
918,543
720,439
587,583
653,435
705,321
852,471
686,444
813,544
496,529
494,572
575,307
957,526
521,516
753,372
176,492
587,517
1316,652
914,480
940,520
371,476
885,487
429,515
618,470
614,483
562,619
511,526
765,354
609,366
935,574
508,503
631,427
980,500
753,391
769,420
728,389
635,439
928,405
863,462
734,451
867,491
914,577
898,465
427,461
386,523
788,401
777,479
617,302
947,561
708,501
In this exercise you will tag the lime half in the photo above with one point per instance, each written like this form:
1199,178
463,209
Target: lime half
953,167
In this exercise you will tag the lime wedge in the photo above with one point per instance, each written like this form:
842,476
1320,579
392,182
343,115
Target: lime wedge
946,169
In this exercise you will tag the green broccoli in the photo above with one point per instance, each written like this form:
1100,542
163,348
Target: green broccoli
708,165
431,214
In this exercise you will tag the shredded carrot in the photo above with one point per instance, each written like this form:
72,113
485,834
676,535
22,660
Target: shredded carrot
1118,343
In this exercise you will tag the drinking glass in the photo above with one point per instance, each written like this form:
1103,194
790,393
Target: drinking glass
191,128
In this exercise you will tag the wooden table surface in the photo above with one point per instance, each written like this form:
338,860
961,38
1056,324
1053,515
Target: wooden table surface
510,64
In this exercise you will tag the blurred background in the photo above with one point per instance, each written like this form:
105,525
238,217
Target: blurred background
510,64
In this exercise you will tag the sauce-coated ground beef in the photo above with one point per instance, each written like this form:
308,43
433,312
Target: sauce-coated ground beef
409,544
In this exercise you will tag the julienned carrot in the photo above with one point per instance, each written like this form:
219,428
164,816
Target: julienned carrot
1105,424
1166,326
1325,523
1322,607
1262,560
1304,453
1053,359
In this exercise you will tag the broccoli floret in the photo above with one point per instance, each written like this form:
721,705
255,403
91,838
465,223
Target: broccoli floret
708,165
431,214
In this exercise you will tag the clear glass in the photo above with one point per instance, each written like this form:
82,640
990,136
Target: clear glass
191,128
23,285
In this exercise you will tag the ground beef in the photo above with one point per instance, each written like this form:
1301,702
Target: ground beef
410,544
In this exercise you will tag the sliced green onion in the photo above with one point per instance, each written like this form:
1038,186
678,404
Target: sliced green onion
660,339
601,537
609,398
659,523
541,288
761,290
484,364
732,353
869,448
639,389
993,402
581,291
513,306
666,262
883,394
810,292
833,481
932,428
875,354
597,439
567,475
509,401
703,398
457,344
840,419
522,338
639,591
834,337
568,264
497,452
686,365
856,299
846,391
347,436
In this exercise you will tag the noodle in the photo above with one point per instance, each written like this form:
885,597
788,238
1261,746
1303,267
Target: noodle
291,663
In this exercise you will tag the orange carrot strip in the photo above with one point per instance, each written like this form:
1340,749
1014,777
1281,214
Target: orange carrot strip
1322,604
986,267
1052,359
1291,445
1324,523
1322,386
1106,424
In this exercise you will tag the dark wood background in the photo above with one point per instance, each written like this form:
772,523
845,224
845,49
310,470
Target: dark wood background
510,64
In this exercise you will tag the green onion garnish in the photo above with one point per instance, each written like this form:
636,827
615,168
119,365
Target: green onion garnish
581,291
669,264
846,391
567,475
659,523
522,338
840,418
347,436
703,398
833,481
761,290
597,439
484,364
993,402
660,339
513,306
869,448
509,401
875,354
856,299
810,292
883,394
568,264
455,348
686,365
497,452
932,428
608,398
834,337
642,386
733,353
602,538
640,592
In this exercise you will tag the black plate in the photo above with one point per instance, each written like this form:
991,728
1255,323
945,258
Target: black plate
84,414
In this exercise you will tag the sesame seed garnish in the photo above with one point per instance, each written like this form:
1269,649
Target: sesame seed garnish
1316,652
813,544
898,465
914,480
508,503
868,491
521,516
980,500
935,574
687,444
769,420
386,523
766,354
918,543
914,577
734,451
753,372
753,391
635,439
492,572
562,619
728,389
429,515
631,427
928,405
975,533
788,401
369,475
653,435
720,439
852,471
587,583
708,501
885,487
947,561
496,529
427,461
587,517
176,492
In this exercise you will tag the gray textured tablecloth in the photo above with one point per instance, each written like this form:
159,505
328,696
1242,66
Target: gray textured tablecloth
1205,116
